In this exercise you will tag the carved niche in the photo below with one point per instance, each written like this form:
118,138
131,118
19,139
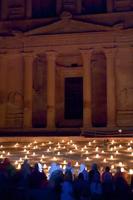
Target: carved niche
14,111
16,9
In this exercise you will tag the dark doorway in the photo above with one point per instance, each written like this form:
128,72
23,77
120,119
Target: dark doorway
43,8
99,96
94,6
74,98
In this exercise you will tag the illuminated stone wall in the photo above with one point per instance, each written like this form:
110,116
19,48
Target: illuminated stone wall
37,55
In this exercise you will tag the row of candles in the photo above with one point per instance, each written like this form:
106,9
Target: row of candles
111,152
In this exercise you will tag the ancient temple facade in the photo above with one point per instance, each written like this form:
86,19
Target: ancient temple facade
66,64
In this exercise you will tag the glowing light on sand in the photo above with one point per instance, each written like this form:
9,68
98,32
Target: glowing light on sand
96,149
130,171
54,159
70,152
26,157
34,154
111,157
16,162
122,169
45,166
58,153
64,167
87,152
19,166
121,164
76,164
117,152
97,156
129,149
112,166
87,159
27,152
64,162
89,143
42,156
112,142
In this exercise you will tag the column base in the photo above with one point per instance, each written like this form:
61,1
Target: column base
111,126
85,128
51,129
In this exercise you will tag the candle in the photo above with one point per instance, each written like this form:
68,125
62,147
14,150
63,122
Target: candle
87,159
131,171
77,164
97,156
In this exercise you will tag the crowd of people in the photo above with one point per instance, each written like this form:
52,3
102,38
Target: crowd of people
32,183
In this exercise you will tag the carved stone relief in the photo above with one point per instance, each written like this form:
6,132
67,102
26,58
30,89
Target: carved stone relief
14,92
16,9
2,97
126,96
14,109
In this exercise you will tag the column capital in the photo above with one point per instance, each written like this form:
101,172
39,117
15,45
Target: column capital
28,54
51,54
110,5
86,51
29,8
58,6
79,6
110,51
4,9
9,55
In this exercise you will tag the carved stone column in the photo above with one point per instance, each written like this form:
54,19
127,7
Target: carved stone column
29,8
111,88
79,6
4,9
58,7
28,73
51,57
3,89
87,118
110,6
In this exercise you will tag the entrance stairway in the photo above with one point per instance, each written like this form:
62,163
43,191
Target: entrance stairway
60,132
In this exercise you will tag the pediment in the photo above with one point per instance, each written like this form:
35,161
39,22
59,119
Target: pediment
68,26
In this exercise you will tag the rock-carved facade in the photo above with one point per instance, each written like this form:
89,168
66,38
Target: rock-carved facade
66,63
